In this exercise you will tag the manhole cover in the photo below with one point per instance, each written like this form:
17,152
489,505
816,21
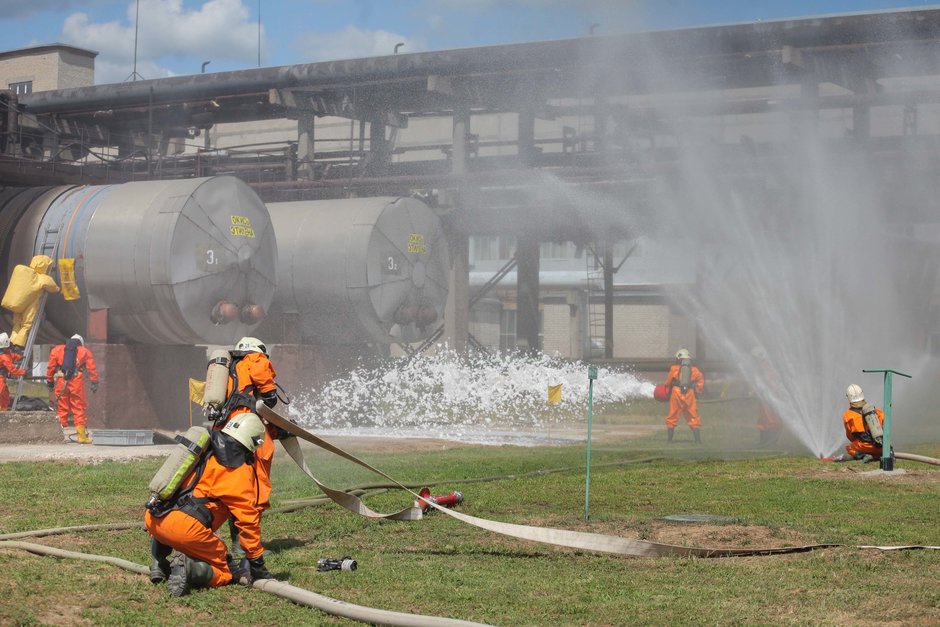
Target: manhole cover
697,518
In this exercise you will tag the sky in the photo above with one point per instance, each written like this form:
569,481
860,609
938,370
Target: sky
175,37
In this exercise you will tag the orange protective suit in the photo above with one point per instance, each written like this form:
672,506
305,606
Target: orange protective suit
235,494
256,375
855,427
684,402
70,393
35,280
8,368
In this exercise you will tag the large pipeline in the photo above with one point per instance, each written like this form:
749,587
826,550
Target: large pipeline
171,262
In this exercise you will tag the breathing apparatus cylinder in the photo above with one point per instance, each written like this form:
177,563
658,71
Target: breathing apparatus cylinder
217,381
179,464
685,374
872,424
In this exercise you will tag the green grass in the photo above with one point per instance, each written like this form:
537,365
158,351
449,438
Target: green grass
439,566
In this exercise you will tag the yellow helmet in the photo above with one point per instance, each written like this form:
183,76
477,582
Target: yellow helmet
247,428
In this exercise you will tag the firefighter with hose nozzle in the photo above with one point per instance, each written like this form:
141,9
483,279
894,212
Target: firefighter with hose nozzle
685,380
864,425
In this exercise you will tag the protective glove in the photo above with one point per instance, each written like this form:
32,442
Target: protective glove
50,383
94,387
240,572
255,567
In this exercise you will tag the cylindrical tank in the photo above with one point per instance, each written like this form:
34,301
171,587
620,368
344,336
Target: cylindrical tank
360,270
173,262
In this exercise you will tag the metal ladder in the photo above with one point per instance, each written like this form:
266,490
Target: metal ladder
594,269
50,247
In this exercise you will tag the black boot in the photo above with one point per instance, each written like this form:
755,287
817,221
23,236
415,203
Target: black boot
698,437
159,565
669,434
187,574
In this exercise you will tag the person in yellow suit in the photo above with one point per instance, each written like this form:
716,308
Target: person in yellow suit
23,295
685,380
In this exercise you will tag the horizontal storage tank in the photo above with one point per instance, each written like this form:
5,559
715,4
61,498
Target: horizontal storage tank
360,270
173,262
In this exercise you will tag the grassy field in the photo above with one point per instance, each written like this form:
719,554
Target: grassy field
439,566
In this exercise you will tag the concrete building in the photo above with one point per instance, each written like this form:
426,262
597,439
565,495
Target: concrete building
46,67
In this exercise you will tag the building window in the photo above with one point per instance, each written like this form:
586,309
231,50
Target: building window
507,330
23,88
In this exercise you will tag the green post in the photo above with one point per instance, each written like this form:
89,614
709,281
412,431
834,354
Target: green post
592,374
887,461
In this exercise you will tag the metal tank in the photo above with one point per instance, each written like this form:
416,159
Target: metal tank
173,262
360,270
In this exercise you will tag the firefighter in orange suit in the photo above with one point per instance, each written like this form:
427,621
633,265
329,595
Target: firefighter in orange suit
8,368
863,427
69,364
685,380
252,378
224,485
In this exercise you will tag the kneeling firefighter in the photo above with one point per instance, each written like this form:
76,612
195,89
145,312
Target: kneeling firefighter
864,427
222,485
235,381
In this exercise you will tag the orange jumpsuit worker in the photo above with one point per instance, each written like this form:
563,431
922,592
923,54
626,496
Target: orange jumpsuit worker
69,383
685,381
254,379
24,293
223,486
8,368
863,445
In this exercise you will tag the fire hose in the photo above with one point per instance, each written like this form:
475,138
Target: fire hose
561,537
278,588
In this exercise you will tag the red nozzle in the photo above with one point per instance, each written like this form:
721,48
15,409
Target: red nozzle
449,500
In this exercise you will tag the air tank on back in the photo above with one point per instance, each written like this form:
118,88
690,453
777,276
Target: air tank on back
173,262
360,271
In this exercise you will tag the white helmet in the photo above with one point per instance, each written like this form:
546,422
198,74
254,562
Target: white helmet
4,340
251,345
78,337
683,353
247,429
855,394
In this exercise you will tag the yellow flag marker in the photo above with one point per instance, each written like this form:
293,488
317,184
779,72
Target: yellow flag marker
554,394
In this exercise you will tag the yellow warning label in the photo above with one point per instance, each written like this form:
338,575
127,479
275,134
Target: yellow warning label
416,243
242,231
67,276
241,227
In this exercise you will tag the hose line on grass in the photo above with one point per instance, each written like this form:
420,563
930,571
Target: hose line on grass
282,589
918,458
